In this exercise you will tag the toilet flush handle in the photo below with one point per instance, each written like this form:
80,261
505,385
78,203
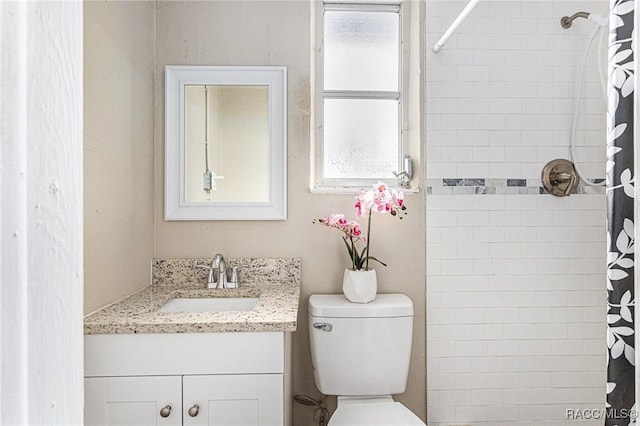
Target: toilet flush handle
324,326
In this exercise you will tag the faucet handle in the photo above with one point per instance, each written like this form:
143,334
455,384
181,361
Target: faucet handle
200,266
234,281
210,280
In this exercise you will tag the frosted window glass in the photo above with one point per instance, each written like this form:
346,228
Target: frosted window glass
360,138
361,50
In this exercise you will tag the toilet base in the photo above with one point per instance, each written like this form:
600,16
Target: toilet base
372,411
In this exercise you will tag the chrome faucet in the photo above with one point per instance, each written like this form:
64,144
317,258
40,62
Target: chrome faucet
219,271
218,277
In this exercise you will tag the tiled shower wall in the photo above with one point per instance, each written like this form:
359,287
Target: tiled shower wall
515,277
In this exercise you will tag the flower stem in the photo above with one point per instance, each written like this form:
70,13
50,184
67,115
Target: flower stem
353,254
368,240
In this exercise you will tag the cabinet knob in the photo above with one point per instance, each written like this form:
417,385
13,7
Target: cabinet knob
166,411
193,411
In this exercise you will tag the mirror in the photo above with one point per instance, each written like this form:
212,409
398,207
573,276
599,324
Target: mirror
225,143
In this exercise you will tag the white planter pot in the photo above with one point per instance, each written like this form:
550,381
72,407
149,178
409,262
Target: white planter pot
360,286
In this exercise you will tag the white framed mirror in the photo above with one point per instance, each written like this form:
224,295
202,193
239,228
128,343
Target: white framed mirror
225,142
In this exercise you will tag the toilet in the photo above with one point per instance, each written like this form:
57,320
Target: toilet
360,353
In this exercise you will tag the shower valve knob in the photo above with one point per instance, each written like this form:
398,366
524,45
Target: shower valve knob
559,177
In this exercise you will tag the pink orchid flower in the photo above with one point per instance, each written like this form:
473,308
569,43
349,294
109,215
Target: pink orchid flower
379,199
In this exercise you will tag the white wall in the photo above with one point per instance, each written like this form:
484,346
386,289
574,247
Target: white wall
41,213
118,149
515,279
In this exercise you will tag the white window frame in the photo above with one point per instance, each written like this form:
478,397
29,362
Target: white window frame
409,106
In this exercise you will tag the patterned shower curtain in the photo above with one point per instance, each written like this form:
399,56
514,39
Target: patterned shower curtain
620,216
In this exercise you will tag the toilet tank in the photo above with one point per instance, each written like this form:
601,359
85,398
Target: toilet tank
360,349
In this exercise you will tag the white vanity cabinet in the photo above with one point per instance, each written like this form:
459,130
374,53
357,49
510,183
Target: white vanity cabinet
221,379
133,401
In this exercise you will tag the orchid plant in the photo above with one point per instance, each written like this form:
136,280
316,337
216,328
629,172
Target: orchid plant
380,199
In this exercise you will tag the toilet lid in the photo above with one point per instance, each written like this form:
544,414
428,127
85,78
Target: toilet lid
374,414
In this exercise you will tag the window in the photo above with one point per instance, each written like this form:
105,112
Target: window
359,104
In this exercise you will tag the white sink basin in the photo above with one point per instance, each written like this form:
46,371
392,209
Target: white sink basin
210,304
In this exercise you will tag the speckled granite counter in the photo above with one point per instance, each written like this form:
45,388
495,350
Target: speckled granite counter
275,282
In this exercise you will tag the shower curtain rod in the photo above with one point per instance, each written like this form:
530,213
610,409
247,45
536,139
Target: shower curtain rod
461,17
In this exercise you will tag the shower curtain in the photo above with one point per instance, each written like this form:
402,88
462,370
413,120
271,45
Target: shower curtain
620,216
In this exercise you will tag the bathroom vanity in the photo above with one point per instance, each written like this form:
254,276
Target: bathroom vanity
197,366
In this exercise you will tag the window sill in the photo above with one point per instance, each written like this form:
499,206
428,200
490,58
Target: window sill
336,190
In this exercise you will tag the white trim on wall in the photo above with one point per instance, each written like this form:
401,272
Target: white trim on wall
41,213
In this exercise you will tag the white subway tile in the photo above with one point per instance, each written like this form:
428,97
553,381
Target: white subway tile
456,267
454,234
455,397
453,89
451,365
473,105
489,122
488,235
505,138
506,9
486,397
442,251
535,315
500,315
505,105
587,330
474,73
503,413
489,89
536,331
534,250
507,219
473,137
441,381
506,73
488,267
521,89
472,170
472,251
502,381
501,347
501,170
465,218
535,347
566,314
488,154
489,57
505,250
490,203
491,365
471,381
441,218
472,348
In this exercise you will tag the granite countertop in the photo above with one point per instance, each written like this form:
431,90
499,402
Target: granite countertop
275,311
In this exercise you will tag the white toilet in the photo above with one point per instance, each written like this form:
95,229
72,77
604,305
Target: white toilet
360,352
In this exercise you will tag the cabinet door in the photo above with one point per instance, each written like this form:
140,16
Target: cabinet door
234,400
133,401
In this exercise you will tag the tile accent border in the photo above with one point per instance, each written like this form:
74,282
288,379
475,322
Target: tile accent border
509,186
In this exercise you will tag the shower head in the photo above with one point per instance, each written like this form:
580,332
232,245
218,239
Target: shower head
600,20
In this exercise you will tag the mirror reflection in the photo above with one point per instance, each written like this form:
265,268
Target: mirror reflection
226,143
